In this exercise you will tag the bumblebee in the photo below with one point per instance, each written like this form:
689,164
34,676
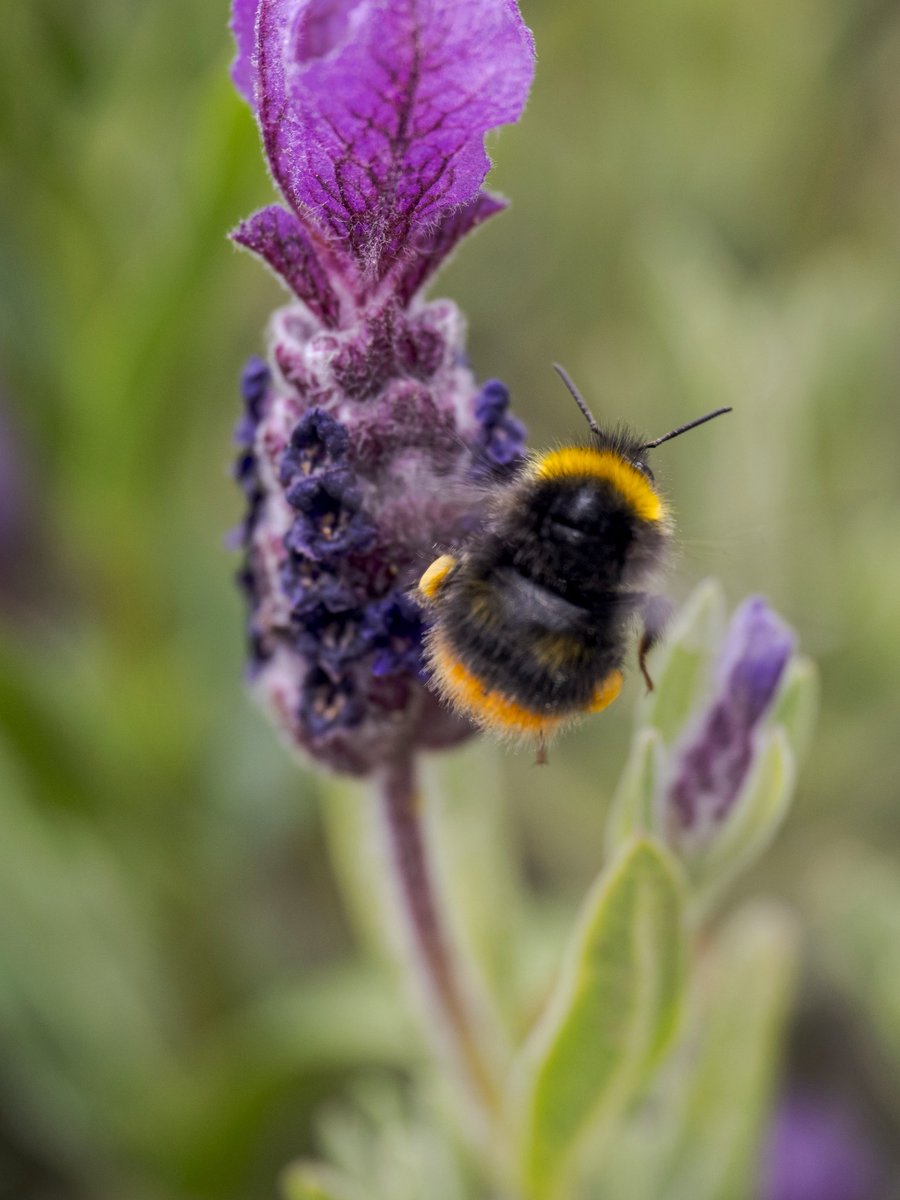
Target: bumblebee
529,623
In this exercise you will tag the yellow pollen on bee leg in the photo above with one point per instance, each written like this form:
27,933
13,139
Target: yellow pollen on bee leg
430,583
605,692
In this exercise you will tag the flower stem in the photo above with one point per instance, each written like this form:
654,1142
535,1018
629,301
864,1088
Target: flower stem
433,957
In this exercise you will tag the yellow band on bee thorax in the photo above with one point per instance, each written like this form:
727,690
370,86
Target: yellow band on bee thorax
572,462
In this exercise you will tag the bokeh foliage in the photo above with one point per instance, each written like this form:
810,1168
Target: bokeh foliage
704,212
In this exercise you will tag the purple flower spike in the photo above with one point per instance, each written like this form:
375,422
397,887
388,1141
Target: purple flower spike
816,1151
364,435
373,115
713,760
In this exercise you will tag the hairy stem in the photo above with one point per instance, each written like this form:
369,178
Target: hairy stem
433,956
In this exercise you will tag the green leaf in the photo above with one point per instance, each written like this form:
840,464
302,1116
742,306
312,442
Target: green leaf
797,705
686,651
316,1181
632,810
610,1018
697,1137
740,1027
753,820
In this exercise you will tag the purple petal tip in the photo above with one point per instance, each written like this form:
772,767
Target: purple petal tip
374,112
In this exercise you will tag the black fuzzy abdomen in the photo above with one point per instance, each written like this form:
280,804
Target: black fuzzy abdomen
529,642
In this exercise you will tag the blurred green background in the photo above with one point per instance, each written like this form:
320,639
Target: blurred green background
705,211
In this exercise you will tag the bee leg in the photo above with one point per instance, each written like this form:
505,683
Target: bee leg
540,758
655,613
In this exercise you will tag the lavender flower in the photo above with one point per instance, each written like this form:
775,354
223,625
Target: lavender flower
713,759
364,435
816,1151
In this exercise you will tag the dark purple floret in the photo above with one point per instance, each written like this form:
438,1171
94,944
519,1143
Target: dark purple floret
308,583
246,473
259,649
395,628
331,522
491,403
714,759
328,704
335,637
499,445
254,381
318,441
816,1150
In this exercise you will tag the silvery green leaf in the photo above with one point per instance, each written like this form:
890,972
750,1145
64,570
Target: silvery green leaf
739,1025
797,705
609,1019
698,1138
386,1145
751,823
680,667
633,810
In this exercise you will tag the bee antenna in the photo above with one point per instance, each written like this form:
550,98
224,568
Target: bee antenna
576,395
667,437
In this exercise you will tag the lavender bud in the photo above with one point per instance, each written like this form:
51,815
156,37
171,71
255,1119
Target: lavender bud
714,757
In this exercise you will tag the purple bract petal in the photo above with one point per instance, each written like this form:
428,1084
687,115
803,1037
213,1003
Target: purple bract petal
374,112
243,26
280,240
435,246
